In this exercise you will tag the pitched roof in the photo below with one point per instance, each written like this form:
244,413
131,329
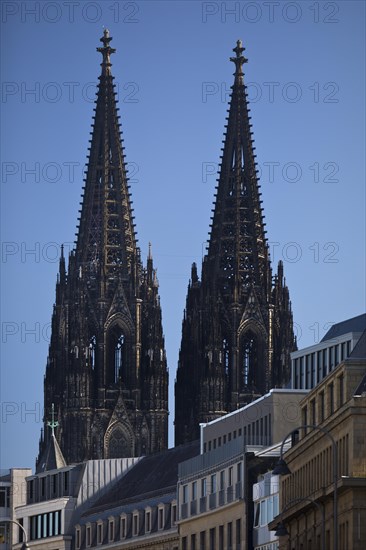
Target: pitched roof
153,475
359,351
356,324
52,457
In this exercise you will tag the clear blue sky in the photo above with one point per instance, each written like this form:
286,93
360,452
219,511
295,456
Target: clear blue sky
306,81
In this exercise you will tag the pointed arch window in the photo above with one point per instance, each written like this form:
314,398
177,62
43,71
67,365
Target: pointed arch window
117,370
225,355
92,351
249,359
119,357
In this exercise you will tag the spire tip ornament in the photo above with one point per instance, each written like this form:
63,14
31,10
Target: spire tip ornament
239,61
106,52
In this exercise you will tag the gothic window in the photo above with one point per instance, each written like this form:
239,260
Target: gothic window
119,444
92,351
249,359
117,356
225,355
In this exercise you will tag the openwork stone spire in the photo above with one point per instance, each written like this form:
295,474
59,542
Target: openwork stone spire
237,329
106,370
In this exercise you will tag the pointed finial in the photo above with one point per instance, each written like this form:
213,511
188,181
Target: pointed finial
239,61
149,257
106,52
53,424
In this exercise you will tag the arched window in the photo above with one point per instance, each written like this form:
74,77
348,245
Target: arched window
119,444
225,355
118,358
116,368
92,351
249,358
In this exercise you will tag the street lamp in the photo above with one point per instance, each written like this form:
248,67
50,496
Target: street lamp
281,530
25,543
281,468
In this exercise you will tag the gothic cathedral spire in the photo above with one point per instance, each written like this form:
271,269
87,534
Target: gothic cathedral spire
106,369
237,331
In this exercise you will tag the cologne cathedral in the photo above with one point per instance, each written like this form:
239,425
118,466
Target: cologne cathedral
237,331
106,371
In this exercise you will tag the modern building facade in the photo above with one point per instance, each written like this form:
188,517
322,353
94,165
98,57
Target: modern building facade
13,491
55,500
337,409
219,491
106,371
262,423
237,331
310,365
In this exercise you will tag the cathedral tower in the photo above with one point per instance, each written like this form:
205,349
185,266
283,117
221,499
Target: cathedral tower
106,370
237,331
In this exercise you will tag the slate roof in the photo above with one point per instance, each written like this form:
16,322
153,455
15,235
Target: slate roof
52,458
359,351
153,475
356,324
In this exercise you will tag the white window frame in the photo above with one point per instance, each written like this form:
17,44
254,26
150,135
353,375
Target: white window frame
123,521
135,515
100,530
148,514
174,506
111,521
88,531
161,508
77,537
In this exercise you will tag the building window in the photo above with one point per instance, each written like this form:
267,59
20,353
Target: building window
45,525
222,479
229,536
238,533
213,539
213,483
221,537
304,413
219,442
203,487
66,481
184,543
325,362
88,536
321,406
185,494
161,518
99,533
4,497
135,525
312,412
341,390
147,521
111,530
203,540
194,490
174,514
331,398
193,542
239,469
123,527
77,538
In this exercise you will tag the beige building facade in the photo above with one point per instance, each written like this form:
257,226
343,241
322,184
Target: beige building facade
337,406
